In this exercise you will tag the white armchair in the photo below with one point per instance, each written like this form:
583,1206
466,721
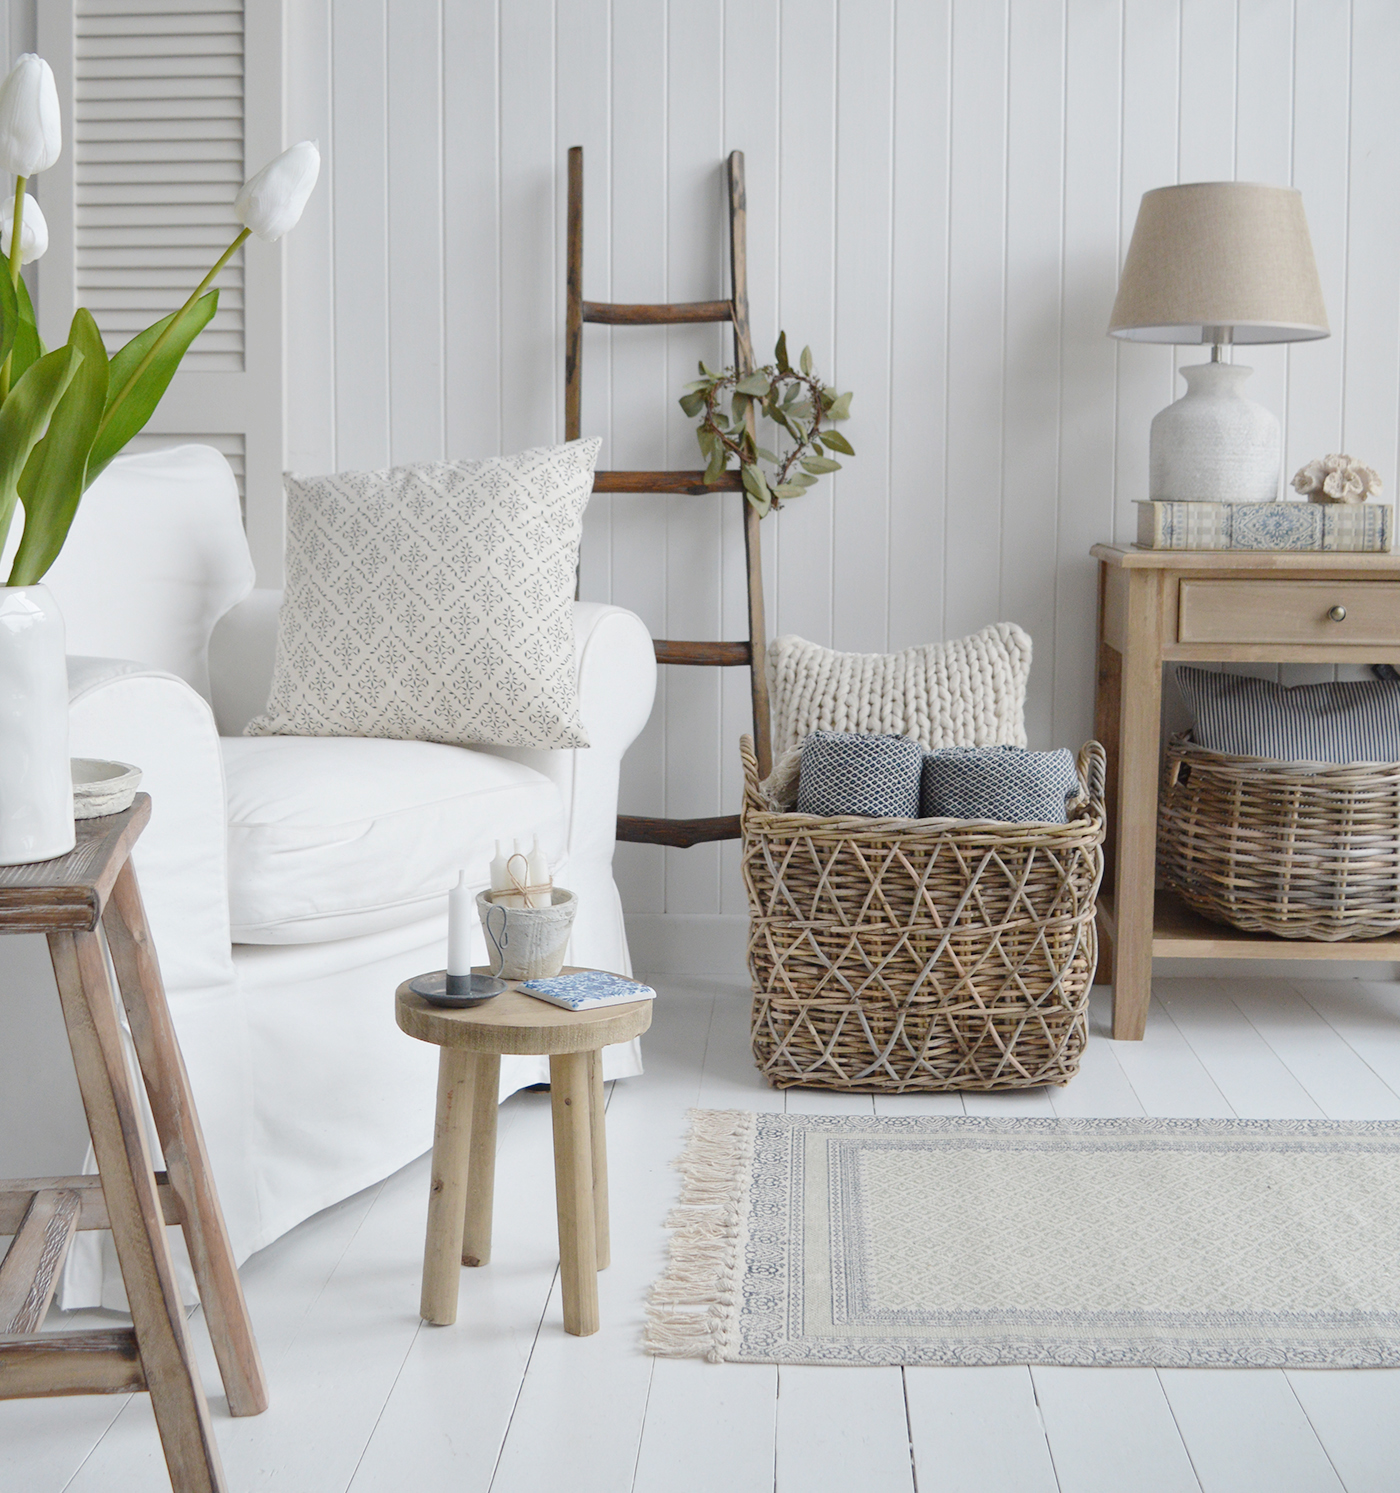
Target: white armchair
291,883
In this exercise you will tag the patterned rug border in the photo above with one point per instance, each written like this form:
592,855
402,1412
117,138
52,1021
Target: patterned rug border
724,1238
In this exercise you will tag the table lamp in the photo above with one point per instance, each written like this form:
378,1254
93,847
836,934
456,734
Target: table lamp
1220,262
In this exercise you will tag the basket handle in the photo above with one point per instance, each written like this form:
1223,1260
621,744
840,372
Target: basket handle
1093,773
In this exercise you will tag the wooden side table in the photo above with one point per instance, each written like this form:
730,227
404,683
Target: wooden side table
473,1041
67,898
1222,606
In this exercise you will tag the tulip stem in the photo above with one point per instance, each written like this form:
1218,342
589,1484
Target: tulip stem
160,341
16,230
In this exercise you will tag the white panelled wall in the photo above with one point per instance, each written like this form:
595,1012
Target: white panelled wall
940,193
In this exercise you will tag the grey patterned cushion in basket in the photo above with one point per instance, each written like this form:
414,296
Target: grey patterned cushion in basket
1001,783
845,773
434,602
1347,721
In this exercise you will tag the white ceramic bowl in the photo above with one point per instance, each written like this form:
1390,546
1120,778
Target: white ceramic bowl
102,787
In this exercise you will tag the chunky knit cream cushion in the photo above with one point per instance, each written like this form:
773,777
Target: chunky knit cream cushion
967,692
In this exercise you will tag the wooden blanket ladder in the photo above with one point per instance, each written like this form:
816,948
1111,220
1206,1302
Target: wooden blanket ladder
678,832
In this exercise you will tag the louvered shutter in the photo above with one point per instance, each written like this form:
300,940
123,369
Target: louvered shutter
168,105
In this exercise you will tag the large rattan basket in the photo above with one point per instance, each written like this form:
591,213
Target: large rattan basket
895,955
1296,849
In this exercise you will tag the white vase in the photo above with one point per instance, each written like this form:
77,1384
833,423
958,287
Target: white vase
36,786
1214,445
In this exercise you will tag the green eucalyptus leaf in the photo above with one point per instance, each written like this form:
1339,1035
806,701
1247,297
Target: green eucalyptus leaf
707,372
805,362
766,454
127,413
692,404
805,478
802,410
53,480
757,490
841,407
780,354
833,440
714,468
699,383
789,490
820,464
24,417
756,384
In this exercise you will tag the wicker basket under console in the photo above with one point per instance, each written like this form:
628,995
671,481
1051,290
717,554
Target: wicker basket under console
897,955
1296,849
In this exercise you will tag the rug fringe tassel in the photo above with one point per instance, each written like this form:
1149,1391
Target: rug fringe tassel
692,1311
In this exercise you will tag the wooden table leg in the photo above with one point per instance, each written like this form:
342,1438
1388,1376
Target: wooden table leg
452,1135
182,1140
598,1115
570,1098
481,1170
134,1210
1138,751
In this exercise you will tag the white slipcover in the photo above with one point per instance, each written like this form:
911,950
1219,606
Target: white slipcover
307,1090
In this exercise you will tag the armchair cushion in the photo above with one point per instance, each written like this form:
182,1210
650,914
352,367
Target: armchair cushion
337,837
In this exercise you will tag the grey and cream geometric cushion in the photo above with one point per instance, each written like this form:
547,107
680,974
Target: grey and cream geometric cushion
1002,783
843,773
1346,721
434,602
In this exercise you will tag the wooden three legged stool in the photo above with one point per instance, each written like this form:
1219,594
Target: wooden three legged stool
473,1040
66,898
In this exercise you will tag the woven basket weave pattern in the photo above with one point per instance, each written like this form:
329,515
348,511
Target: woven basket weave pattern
895,955
1298,850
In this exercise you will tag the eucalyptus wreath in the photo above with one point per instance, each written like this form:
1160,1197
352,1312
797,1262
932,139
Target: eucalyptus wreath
795,400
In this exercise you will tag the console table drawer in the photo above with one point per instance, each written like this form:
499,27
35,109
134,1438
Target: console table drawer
1279,611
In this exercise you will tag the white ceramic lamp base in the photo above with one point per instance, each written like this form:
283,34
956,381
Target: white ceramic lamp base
1214,445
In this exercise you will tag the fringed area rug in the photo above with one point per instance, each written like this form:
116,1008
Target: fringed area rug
807,1239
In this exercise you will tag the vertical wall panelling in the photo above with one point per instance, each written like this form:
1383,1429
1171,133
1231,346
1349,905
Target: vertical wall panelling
640,391
1034,223
940,195
919,320
1094,92
360,195
415,73
976,315
696,270
802,601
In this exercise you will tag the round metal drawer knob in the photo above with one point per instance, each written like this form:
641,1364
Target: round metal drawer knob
1337,614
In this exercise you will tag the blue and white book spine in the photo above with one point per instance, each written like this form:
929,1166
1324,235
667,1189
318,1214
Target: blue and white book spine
1345,528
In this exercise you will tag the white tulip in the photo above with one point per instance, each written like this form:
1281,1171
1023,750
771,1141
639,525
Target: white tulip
30,130
271,202
33,231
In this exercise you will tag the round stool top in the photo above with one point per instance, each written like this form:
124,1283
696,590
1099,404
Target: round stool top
513,1023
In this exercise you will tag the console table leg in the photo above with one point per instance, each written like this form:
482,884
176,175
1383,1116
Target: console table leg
481,1170
452,1136
134,1209
570,1097
182,1140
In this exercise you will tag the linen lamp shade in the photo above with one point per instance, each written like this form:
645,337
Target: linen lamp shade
1215,255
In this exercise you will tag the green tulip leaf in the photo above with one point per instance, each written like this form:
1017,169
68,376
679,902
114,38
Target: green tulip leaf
28,347
53,479
24,417
833,440
127,412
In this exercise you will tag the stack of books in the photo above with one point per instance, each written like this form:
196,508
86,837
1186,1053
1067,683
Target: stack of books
1341,527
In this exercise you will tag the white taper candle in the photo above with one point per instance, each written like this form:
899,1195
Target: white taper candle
461,913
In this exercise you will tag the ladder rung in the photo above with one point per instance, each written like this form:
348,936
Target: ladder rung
29,1272
615,314
70,1363
719,655
659,482
682,833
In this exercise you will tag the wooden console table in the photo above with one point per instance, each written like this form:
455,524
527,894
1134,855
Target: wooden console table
67,898
1209,606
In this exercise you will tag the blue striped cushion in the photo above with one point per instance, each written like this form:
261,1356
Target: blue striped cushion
1342,722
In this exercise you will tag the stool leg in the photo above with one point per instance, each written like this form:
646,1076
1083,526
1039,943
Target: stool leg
570,1098
481,1172
597,1114
133,1207
452,1136
182,1140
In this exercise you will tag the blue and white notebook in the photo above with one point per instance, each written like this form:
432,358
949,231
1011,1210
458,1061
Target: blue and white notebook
587,990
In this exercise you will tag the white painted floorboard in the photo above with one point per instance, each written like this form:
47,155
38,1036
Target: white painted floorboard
367,1398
